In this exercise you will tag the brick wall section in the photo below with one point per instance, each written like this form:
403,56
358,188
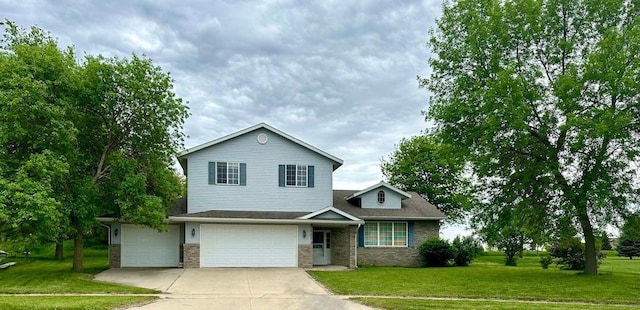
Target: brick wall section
340,246
305,256
114,256
343,241
405,257
191,255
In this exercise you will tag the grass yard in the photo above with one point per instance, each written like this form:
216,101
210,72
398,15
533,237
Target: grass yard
69,302
488,278
418,304
40,273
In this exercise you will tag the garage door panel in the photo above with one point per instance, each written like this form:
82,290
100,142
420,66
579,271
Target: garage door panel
146,247
225,245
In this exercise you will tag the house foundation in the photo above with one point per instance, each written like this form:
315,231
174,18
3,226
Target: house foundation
191,255
305,256
114,256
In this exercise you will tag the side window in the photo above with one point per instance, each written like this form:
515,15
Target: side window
227,173
296,176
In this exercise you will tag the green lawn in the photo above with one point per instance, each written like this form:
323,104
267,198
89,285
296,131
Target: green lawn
487,277
418,304
69,302
40,273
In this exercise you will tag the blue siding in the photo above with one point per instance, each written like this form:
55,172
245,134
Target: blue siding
262,191
392,199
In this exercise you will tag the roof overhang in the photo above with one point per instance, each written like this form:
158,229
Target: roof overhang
404,194
337,162
330,209
398,218
183,219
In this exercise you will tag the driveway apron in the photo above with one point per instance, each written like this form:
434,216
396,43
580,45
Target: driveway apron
231,288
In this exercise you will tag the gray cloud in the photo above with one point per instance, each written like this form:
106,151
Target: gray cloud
340,75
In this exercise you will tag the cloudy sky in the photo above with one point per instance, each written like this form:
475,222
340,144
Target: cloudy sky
340,75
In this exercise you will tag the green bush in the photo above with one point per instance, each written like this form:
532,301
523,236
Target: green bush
569,254
545,261
465,250
436,252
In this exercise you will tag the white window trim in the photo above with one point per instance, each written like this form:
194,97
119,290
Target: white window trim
393,239
227,183
384,197
306,167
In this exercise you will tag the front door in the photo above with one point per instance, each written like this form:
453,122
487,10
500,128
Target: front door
321,247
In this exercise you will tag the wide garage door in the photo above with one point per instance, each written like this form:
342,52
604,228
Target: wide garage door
146,247
224,245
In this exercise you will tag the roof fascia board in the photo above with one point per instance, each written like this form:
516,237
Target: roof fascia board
194,149
261,221
367,218
327,209
380,184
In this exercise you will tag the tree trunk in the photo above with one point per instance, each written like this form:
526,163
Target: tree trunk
78,242
590,252
59,250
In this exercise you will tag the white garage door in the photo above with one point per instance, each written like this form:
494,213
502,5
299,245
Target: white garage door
146,247
249,245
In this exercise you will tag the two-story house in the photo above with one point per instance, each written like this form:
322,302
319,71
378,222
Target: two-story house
262,198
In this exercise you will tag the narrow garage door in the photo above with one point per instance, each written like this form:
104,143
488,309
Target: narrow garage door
224,245
146,247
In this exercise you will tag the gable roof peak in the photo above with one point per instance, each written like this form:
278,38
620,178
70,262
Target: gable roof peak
337,162
404,194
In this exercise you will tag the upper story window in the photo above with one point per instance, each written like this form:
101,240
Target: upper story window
381,197
227,173
296,176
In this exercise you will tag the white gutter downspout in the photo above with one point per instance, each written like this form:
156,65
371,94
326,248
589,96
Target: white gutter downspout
108,241
356,247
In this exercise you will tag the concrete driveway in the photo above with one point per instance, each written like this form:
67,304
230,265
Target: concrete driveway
230,288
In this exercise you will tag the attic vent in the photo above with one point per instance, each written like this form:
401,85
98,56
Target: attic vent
262,138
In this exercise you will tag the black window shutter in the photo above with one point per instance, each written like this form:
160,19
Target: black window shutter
243,174
310,176
361,236
281,175
212,172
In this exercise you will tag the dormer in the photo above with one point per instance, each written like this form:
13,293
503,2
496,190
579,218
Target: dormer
379,196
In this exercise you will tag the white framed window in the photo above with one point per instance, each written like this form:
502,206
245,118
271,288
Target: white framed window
385,234
296,175
228,173
381,197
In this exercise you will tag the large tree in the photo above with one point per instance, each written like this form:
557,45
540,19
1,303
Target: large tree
434,170
543,95
82,138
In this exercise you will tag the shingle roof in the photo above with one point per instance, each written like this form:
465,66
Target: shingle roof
273,215
376,186
415,207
